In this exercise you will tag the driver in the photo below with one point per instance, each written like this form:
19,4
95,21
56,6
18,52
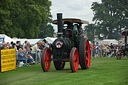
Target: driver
81,31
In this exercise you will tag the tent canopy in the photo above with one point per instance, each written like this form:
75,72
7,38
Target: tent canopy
34,41
50,39
109,41
72,20
31,41
6,38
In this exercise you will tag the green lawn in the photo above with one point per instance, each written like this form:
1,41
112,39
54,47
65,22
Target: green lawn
103,71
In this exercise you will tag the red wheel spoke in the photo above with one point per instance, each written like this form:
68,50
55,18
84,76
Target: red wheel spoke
45,60
87,54
74,59
87,59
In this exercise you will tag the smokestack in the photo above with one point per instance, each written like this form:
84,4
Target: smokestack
59,23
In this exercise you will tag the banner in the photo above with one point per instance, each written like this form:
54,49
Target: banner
7,59
1,39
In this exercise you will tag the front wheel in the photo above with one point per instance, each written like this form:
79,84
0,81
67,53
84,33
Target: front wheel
46,59
84,53
74,59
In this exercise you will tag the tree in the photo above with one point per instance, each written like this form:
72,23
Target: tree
5,22
92,30
46,29
24,18
111,16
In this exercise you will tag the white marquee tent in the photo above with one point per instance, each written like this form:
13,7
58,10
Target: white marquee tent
31,41
34,41
50,39
109,41
5,38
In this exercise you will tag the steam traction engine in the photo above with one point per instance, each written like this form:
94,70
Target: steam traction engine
124,48
68,47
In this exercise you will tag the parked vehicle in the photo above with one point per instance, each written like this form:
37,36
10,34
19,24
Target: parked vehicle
124,48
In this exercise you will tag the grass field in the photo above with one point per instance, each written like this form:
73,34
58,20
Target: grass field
103,71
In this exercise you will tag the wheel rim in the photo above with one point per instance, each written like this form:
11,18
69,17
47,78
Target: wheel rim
75,60
87,54
47,59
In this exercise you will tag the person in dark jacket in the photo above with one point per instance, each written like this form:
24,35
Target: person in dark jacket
21,56
81,31
18,45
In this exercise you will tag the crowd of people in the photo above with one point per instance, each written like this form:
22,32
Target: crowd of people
25,52
31,54
104,50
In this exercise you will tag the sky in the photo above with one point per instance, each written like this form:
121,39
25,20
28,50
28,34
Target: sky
73,9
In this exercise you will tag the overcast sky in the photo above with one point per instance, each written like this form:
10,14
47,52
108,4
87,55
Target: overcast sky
73,9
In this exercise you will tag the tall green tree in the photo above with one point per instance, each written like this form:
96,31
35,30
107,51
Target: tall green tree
5,22
23,18
111,16
92,30
46,29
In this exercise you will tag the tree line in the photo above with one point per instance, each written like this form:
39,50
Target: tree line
26,18
110,17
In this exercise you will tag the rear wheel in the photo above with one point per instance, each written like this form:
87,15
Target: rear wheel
74,59
46,59
84,53
59,65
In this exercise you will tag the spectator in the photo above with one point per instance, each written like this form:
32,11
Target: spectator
7,45
27,47
93,51
114,49
4,46
42,45
18,45
117,50
97,50
36,52
30,59
111,46
11,45
21,55
46,44
101,50
105,50
24,44
14,46
109,51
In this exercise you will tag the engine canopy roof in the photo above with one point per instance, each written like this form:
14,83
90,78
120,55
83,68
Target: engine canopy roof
72,20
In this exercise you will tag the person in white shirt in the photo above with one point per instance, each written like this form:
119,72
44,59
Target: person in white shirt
36,52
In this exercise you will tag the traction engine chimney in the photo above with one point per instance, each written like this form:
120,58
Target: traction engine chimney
59,23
